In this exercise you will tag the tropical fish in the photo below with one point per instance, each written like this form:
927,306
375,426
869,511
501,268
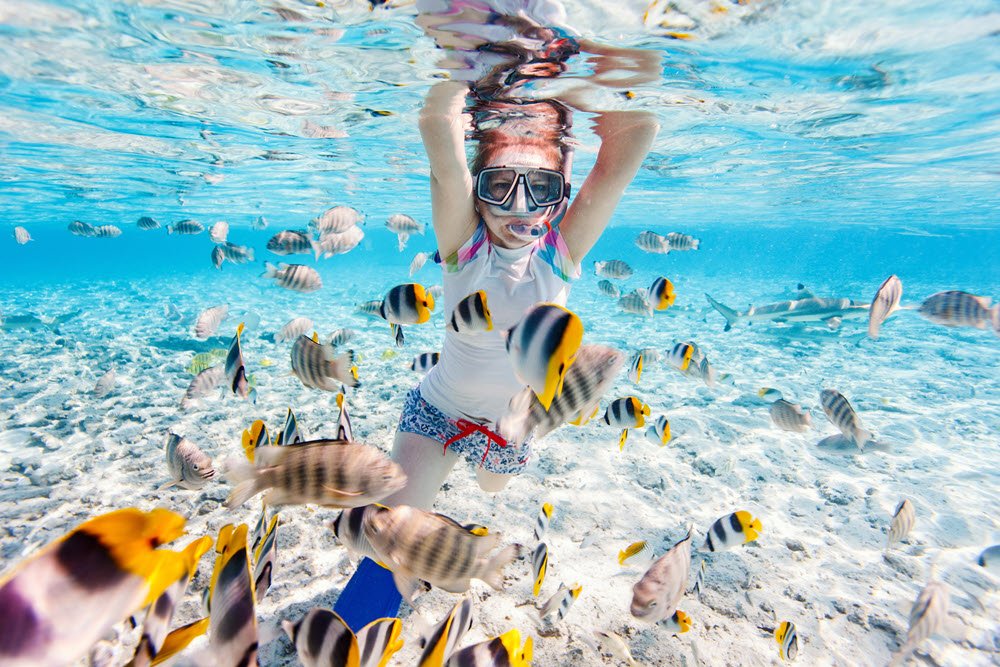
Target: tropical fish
292,242
902,522
543,521
990,558
236,372
290,434
258,223
608,288
788,640
156,626
79,228
107,232
219,232
677,624
656,594
926,618
209,320
372,308
185,227
503,650
323,639
189,467
255,437
443,640
218,257
842,415
203,383
331,244
613,644
57,603
961,309
636,303
680,241
341,337
631,550
789,416
418,262
106,383
237,254
699,579
539,564
587,380
635,368
320,367
542,347
400,536
653,242
471,314
232,634
336,220
732,530
293,329
332,473
147,223
769,393
613,268
885,302
625,413
680,356
561,601
661,294
403,226
811,309
406,304
348,528
658,432
264,556
21,235
424,361
295,277
344,429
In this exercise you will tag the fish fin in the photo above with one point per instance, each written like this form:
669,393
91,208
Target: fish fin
179,639
167,485
622,438
317,249
403,238
398,334
339,493
388,643
270,270
732,316
245,476
405,584
862,437
515,425
492,573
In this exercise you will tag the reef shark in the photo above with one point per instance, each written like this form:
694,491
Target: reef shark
33,322
808,308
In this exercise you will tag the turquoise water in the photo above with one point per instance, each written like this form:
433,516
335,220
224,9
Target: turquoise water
830,144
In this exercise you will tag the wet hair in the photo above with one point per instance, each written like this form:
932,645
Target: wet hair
541,125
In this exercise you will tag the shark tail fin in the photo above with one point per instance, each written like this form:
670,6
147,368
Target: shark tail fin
731,315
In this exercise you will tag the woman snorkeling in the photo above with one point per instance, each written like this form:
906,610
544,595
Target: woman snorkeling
510,224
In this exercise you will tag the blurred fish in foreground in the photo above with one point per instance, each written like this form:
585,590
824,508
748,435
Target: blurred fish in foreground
232,633
656,595
927,617
320,367
884,304
322,639
542,347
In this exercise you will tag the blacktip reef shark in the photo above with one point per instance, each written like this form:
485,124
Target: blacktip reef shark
807,308
31,322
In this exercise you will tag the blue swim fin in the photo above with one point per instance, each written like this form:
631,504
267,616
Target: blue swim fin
369,595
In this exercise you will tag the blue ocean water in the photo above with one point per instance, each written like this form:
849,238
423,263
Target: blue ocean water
826,144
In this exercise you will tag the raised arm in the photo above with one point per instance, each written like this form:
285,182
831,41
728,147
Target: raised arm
442,128
626,137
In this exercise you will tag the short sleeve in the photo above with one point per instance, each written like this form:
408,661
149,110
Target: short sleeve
469,250
554,252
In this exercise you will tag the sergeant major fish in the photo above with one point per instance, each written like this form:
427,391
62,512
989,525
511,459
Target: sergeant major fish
608,288
636,303
954,309
403,226
146,223
340,243
653,242
926,618
189,467
295,277
186,227
209,320
203,383
320,367
902,523
106,232
613,268
292,242
21,235
885,302
842,415
219,232
680,241
336,220
789,417
341,337
293,329
542,347
418,262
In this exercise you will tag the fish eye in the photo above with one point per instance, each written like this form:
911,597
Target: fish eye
651,604
195,466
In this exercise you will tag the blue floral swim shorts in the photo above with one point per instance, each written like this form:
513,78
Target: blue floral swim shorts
476,442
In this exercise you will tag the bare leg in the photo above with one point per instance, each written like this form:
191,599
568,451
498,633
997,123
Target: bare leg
491,482
425,467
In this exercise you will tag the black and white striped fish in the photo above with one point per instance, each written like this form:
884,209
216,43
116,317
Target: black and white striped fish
332,473
344,429
471,314
613,268
320,367
232,633
237,254
219,232
418,262
264,557
106,232
444,639
290,434
341,337
336,220
403,226
561,602
202,384
147,223
732,530
542,347
927,617
608,288
209,320
505,650
406,304
189,467
902,522
636,303
185,227
323,639
293,329
680,241
658,432
295,277
372,308
699,579
349,530
236,372
842,415
788,640
961,309
292,242
218,257
340,243
543,521
885,302
424,361
626,413
662,294
790,416
587,380
80,228
653,242
635,368
539,565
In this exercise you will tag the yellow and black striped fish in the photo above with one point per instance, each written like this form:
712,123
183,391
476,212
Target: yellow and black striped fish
471,314
539,564
561,601
788,640
631,550
424,361
661,294
444,640
542,347
254,438
680,356
659,431
290,434
232,632
55,605
625,413
407,304
542,523
323,639
264,557
236,372
635,368
732,530
503,650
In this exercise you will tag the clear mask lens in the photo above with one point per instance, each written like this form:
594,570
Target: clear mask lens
500,185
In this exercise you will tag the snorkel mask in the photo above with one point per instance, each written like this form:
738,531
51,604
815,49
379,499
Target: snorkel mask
523,192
